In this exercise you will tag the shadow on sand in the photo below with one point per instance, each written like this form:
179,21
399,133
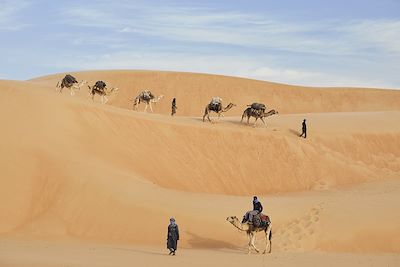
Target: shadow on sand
141,251
199,242
294,132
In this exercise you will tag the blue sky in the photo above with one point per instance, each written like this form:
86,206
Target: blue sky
310,42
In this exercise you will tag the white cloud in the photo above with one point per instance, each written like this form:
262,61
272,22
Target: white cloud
9,11
384,34
216,64
242,29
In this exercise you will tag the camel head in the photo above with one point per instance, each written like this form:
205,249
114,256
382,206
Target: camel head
235,222
157,99
83,82
114,89
228,107
270,113
232,219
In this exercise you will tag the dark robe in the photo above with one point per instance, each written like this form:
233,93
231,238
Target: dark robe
172,237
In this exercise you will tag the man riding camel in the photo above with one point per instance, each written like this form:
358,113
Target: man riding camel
257,209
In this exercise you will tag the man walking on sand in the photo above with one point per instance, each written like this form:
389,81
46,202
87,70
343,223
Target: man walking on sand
304,129
172,237
173,107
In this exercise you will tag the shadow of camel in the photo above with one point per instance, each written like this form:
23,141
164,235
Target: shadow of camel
197,241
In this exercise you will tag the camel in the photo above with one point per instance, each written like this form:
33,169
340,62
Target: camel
147,97
217,109
103,93
258,114
69,82
251,233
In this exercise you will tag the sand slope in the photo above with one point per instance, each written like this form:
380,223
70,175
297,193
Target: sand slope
77,170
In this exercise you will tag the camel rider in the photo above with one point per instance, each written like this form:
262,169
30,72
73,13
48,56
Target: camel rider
257,209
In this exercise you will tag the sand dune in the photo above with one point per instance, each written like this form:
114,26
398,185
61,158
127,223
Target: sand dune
77,171
194,91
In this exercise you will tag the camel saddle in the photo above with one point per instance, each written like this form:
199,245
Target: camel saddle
257,106
99,85
215,103
69,79
261,220
147,95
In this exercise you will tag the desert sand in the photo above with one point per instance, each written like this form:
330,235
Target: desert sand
86,184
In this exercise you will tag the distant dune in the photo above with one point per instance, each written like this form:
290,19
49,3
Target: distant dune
76,170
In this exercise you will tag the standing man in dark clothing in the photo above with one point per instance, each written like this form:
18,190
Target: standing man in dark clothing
304,129
257,209
172,237
173,107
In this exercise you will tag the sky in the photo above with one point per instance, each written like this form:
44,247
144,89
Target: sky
353,43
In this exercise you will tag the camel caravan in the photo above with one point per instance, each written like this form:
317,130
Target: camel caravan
255,110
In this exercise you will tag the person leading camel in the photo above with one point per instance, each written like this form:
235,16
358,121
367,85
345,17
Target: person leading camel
172,237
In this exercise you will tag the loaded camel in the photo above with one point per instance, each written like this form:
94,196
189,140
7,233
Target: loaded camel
146,97
216,106
257,111
251,231
71,83
101,89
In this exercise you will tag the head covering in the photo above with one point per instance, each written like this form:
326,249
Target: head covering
172,221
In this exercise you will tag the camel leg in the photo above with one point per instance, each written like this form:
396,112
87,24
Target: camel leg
252,241
248,119
208,116
249,248
151,109
255,122
145,108
72,91
263,121
268,240
105,97
206,111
